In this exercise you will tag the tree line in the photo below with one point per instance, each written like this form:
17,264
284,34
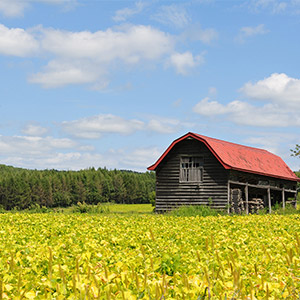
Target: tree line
22,188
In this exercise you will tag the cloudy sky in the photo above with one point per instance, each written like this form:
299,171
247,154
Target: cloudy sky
94,83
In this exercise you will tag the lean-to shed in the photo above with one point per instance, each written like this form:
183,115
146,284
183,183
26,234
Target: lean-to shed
199,170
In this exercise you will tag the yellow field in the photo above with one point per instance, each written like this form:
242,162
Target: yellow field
58,256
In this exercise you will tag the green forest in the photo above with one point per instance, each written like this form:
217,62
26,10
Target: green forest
22,188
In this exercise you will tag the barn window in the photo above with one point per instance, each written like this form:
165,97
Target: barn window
191,169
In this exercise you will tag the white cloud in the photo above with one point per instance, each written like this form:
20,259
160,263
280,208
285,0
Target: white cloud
71,161
164,125
60,161
57,2
64,154
206,107
269,115
274,6
129,44
34,130
177,103
138,159
280,93
17,42
49,152
94,127
16,8
141,158
174,15
278,88
90,57
177,16
276,142
269,141
246,32
12,8
243,113
32,145
61,73
213,90
263,142
123,14
85,57
184,62
197,33
250,31
279,7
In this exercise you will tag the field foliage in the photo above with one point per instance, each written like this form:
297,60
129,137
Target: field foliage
110,256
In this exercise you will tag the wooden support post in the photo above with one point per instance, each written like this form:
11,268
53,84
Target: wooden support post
247,199
296,200
283,198
228,197
269,200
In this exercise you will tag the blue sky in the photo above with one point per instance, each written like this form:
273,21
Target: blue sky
113,83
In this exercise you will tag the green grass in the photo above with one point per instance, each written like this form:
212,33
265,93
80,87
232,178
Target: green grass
196,210
204,211
129,208
101,208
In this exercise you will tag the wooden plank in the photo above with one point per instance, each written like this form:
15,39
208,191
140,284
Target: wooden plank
169,208
194,191
290,191
187,203
247,196
192,196
228,197
269,200
188,200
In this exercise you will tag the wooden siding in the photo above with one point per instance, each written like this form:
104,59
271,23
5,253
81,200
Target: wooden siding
170,192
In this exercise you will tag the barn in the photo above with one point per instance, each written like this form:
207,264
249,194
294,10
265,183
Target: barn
200,170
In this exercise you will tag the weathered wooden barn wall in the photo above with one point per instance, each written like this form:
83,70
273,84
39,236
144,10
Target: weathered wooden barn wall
171,193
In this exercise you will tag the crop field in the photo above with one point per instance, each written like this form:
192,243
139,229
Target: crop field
147,256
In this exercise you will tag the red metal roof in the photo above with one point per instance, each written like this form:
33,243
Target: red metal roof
239,157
